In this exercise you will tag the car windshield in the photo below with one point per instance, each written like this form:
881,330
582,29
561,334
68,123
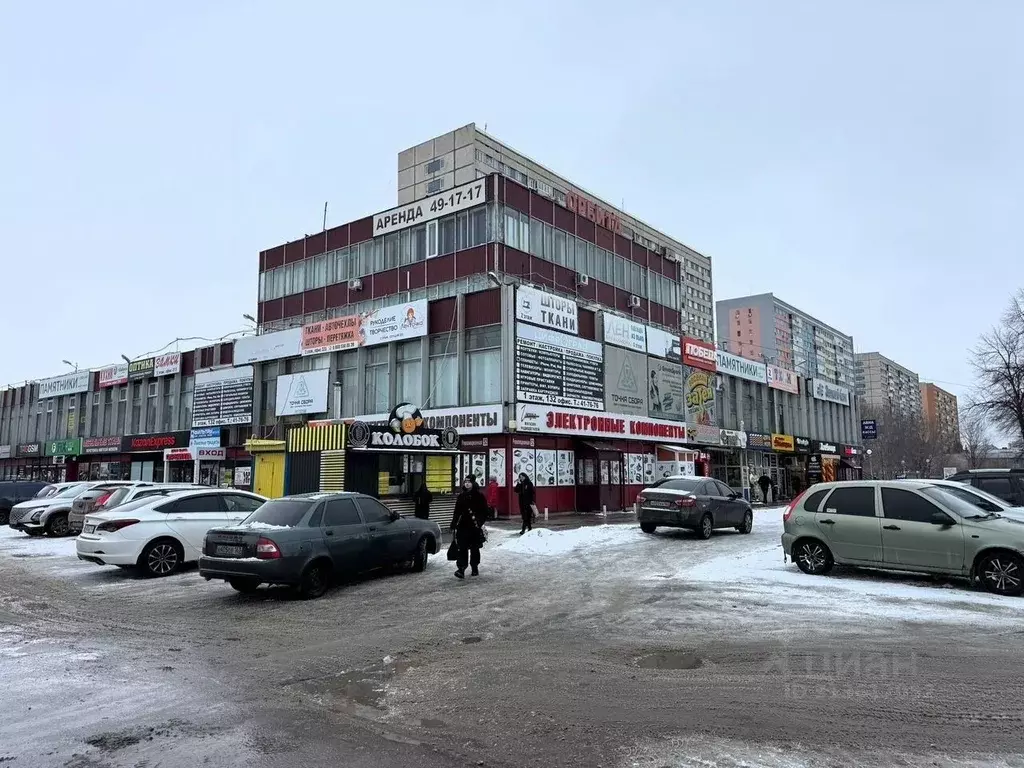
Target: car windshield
678,484
71,491
46,491
951,499
981,499
133,504
286,512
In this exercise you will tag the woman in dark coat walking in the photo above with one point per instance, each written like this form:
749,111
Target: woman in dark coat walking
467,524
527,498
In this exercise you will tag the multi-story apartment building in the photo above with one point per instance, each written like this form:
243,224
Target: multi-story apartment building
468,153
883,385
940,414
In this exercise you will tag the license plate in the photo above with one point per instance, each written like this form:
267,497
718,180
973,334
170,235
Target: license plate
89,528
223,549
660,503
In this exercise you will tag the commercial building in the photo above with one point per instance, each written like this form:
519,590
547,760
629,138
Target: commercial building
885,386
941,415
467,154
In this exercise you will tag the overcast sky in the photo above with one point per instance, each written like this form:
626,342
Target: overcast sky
865,167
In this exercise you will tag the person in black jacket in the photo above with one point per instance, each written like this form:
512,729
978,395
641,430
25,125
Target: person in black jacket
422,498
527,497
467,524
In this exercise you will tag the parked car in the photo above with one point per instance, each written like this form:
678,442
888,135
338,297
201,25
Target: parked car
14,492
160,534
306,541
905,525
981,499
1007,484
48,514
106,496
700,504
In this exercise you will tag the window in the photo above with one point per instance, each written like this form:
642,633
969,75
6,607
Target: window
570,253
723,489
317,517
391,243
419,245
446,236
983,501
536,237
237,502
378,381
558,246
341,512
287,512
483,365
856,501
814,501
409,373
152,404
433,167
997,486
444,372
462,241
679,484
478,226
341,260
365,262
512,228
203,503
298,277
373,511
433,186
898,504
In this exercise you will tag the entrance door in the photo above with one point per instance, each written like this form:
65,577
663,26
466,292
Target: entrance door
611,491
269,479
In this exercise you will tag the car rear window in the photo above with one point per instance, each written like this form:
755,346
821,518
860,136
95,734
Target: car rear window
287,512
115,498
679,484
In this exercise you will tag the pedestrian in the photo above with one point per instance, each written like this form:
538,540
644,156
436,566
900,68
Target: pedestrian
527,497
492,497
467,526
774,488
422,498
765,483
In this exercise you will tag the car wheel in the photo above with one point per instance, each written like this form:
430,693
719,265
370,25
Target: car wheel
419,563
161,558
706,527
58,525
648,527
245,586
1002,573
813,557
748,522
315,580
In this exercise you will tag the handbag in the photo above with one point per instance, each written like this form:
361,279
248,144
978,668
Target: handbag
453,550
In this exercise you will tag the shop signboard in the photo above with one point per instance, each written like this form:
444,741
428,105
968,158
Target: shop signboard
5,451
802,444
167,365
734,438
546,310
948,472
268,346
666,389
821,446
223,396
113,375
623,332
379,326
740,367
558,369
868,429
469,420
69,447
141,369
68,384
664,344
194,453
780,378
625,381
405,432
700,396
429,208
29,449
563,421
304,392
759,441
205,437
154,442
783,443
703,433
833,393
96,445
699,354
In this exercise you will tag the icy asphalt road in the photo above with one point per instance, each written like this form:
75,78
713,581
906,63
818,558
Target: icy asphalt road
594,647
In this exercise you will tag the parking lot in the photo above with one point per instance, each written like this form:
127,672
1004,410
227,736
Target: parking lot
591,646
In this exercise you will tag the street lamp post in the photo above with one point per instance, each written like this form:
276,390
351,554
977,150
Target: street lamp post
73,365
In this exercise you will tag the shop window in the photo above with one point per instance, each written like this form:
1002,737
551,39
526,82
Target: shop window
377,397
483,365
446,236
444,372
409,373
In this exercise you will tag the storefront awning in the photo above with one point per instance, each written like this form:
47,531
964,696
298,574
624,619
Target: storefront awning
601,445
677,449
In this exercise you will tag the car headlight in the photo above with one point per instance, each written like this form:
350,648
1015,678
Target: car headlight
37,515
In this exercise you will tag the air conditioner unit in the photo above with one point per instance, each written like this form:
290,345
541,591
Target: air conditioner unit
582,279
634,301
355,285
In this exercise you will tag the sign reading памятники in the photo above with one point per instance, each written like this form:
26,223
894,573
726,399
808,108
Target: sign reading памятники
741,367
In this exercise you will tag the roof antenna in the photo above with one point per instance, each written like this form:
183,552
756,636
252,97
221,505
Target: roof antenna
325,216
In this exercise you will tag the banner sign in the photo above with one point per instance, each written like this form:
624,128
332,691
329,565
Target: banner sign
380,326
833,393
95,445
868,429
470,420
741,367
699,354
700,397
205,437
664,344
803,444
666,390
405,431
820,446
113,375
623,332
759,441
546,310
780,378
68,384
157,442
167,365
560,421
558,369
268,346
625,381
304,392
784,443
434,207
223,396
70,447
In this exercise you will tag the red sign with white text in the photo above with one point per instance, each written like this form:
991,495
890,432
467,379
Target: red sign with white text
564,421
699,354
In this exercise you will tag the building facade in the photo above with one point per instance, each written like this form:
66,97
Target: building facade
884,385
940,413
467,153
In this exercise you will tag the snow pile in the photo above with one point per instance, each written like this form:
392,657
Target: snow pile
549,543
258,526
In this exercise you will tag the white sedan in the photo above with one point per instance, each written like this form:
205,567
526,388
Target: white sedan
160,534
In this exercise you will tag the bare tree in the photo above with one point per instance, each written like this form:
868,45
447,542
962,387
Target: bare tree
974,435
902,446
998,361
